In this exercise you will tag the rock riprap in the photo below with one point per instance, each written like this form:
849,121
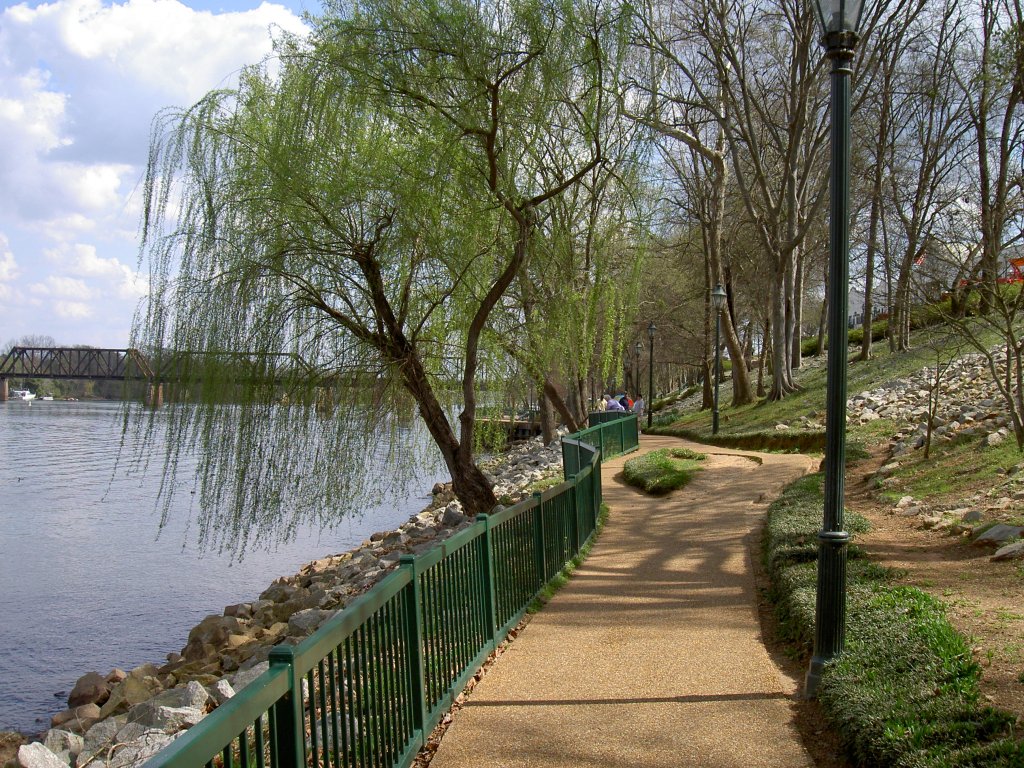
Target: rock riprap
121,719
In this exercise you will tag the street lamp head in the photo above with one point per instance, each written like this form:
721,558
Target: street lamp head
839,15
639,347
718,297
840,21
651,328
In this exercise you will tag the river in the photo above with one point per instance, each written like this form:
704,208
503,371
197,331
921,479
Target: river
88,580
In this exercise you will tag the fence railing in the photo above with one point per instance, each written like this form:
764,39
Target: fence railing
368,687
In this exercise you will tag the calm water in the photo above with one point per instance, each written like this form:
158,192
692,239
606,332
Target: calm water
87,580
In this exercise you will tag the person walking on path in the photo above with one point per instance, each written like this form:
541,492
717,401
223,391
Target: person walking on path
638,406
611,404
651,655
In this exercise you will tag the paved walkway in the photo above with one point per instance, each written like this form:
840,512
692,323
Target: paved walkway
651,655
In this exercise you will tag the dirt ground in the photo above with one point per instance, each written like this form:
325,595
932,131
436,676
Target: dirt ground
985,599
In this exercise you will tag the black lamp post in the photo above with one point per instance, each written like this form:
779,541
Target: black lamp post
650,375
718,302
840,22
638,348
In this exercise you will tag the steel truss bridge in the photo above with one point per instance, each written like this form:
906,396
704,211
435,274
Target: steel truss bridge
125,365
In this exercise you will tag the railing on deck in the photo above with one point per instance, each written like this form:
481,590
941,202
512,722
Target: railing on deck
368,687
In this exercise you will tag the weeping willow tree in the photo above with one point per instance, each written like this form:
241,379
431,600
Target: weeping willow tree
328,242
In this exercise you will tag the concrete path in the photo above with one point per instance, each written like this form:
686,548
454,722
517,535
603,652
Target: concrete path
652,655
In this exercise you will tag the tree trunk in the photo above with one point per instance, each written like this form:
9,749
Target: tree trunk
766,345
468,482
782,382
553,397
796,352
547,421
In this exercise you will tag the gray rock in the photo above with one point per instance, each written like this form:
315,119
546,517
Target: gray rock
994,439
997,534
239,611
221,691
278,592
392,558
35,755
912,511
246,676
452,517
190,695
972,516
149,715
1009,552
304,622
64,743
100,739
136,752
128,693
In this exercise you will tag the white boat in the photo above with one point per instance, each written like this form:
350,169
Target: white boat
47,397
22,394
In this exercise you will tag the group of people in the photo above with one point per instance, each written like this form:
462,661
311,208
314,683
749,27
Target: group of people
623,403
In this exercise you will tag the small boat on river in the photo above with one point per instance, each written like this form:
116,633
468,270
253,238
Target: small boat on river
22,394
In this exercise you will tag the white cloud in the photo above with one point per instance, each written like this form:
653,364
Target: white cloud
63,288
80,82
72,310
8,266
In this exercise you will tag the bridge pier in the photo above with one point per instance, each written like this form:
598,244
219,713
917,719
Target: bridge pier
4,394
154,396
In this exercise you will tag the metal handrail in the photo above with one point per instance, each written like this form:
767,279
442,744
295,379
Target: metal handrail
370,684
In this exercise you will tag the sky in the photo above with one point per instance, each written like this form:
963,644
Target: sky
80,82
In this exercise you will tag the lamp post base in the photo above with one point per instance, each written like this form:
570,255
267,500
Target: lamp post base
813,678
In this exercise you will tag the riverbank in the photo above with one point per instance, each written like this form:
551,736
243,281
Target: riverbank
120,718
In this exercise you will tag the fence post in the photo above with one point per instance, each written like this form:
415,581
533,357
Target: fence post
288,739
490,608
575,496
414,639
622,436
539,540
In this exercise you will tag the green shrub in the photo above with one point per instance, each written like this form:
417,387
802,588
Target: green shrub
664,470
905,690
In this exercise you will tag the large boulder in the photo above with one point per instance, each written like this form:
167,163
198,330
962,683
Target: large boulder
214,630
278,592
304,622
998,534
138,751
91,688
128,693
221,691
100,739
65,744
153,716
246,676
1009,552
78,719
35,755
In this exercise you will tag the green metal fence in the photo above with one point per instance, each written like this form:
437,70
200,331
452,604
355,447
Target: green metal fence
368,687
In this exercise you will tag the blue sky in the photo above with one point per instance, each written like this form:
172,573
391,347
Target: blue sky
80,81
